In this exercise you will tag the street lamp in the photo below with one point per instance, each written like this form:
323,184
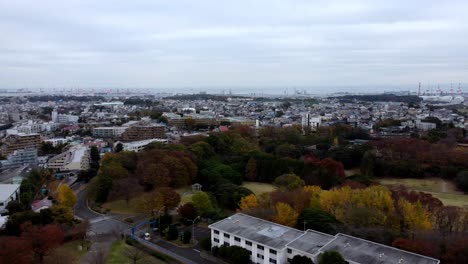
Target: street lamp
159,220
193,228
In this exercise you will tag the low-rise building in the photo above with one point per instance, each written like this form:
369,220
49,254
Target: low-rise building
8,193
271,243
137,146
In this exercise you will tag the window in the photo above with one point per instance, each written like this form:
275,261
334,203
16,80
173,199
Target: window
273,261
248,243
260,256
216,232
289,251
226,235
237,239
226,244
289,260
216,240
260,247
273,251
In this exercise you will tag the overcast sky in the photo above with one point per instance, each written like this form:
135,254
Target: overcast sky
258,43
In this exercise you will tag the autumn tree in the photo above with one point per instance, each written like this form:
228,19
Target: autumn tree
285,215
66,196
42,239
414,217
15,249
187,211
417,246
248,202
331,257
158,199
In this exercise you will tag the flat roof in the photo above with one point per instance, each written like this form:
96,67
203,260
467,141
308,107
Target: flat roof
364,251
258,230
6,190
311,241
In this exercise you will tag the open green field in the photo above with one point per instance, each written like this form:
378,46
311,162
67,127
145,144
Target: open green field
185,194
121,207
120,250
442,189
258,188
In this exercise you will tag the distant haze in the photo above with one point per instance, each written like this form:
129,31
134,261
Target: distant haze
257,46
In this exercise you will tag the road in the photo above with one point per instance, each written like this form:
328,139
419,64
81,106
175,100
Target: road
105,228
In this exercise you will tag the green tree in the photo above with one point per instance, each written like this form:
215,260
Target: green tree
118,147
202,203
172,233
332,257
298,259
289,181
317,219
186,237
251,170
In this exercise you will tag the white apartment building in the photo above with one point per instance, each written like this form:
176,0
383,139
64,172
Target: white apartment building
271,243
109,132
137,146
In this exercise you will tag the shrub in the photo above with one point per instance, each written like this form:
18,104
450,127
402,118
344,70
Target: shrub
186,237
173,233
205,243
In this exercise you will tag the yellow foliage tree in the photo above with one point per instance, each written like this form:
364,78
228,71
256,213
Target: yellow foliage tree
286,215
248,202
414,216
66,196
375,203
314,192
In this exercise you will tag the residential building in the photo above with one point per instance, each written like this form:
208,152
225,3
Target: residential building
8,192
271,243
75,158
137,146
20,141
143,132
22,157
108,132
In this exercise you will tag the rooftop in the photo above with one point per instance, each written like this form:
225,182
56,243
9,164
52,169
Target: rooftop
6,190
311,241
258,230
364,251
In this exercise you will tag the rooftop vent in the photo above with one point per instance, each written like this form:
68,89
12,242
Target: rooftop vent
347,245
381,255
401,261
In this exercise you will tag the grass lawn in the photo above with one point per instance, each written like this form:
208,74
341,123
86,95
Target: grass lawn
444,190
185,194
258,188
71,251
121,207
352,172
117,255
